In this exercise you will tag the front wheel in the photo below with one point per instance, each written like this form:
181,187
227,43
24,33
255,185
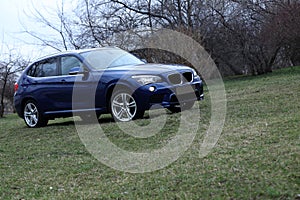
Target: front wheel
32,115
124,107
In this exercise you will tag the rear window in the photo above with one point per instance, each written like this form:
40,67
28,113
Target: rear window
44,69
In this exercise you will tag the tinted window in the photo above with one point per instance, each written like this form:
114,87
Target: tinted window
44,68
68,63
31,71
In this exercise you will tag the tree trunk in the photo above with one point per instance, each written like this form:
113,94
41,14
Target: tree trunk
2,97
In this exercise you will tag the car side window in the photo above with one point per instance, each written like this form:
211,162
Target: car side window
44,68
69,62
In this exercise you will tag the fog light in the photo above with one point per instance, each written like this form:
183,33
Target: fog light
152,89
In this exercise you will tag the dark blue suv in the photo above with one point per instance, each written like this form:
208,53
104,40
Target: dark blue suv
91,82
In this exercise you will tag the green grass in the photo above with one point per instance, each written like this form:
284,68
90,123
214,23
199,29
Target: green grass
257,155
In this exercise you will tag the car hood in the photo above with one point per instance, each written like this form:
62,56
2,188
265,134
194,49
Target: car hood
149,68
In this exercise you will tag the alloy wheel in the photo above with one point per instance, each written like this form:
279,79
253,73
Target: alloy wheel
123,107
31,115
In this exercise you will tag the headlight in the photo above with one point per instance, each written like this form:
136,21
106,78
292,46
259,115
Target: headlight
146,79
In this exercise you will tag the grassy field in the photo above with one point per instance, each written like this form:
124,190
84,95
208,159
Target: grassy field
257,155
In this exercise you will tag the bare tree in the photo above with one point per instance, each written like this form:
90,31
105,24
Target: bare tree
284,26
10,65
250,36
243,36
58,31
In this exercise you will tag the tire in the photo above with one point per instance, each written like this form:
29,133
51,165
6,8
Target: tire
185,106
124,107
32,115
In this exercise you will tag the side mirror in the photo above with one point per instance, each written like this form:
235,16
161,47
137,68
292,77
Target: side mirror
79,71
75,71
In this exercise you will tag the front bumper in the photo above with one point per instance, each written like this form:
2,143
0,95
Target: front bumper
169,95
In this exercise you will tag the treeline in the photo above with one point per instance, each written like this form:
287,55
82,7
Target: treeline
243,36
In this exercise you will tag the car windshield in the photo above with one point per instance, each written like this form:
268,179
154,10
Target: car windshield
107,58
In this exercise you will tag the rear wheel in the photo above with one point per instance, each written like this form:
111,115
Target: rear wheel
32,115
123,107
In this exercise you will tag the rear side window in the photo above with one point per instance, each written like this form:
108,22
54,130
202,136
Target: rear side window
44,69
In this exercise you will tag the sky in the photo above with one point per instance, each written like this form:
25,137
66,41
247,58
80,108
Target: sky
12,16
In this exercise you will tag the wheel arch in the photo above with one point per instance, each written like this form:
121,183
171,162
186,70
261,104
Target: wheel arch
114,87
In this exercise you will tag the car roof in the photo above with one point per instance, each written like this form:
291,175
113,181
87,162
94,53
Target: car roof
73,52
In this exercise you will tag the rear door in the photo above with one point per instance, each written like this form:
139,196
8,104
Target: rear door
43,81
